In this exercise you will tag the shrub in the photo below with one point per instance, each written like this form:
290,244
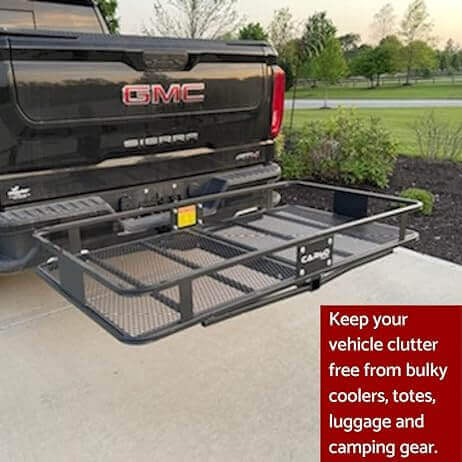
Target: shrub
294,161
344,148
438,140
294,165
280,145
367,151
426,197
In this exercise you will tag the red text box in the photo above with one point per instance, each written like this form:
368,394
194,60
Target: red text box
391,384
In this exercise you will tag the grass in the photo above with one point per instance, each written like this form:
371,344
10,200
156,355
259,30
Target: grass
399,121
419,91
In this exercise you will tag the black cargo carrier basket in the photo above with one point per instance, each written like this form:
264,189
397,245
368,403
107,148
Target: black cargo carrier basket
147,285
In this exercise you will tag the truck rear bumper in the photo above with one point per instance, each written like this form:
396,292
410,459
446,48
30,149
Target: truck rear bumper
18,249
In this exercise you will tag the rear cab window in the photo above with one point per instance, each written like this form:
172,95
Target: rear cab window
17,19
70,16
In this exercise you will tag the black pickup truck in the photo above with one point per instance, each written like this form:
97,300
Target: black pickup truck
91,123
138,174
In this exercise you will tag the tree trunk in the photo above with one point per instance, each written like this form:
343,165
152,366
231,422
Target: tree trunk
294,97
408,76
410,60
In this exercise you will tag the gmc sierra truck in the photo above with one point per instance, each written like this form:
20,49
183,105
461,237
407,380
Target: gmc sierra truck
91,123
138,174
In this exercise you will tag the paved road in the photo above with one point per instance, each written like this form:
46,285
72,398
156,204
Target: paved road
375,103
247,389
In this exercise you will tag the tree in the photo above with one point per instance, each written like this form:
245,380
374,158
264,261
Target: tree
384,22
350,42
288,60
456,61
350,45
389,55
282,30
330,66
317,33
287,66
365,64
253,31
449,58
108,9
386,58
193,18
419,56
443,63
416,26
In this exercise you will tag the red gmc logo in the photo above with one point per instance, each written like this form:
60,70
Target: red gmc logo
143,95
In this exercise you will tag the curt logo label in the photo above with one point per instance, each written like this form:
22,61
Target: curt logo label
144,95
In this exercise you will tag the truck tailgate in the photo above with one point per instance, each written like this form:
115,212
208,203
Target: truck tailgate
136,94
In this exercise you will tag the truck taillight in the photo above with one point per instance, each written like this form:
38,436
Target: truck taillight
279,88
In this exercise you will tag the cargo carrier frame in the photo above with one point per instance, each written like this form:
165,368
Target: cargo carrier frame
148,281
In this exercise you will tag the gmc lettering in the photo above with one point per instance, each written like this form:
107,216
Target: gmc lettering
144,95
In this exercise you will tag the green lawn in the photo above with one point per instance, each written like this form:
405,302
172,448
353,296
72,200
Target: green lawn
399,121
419,91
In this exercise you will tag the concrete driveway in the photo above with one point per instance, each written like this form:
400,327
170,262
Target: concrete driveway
375,103
245,390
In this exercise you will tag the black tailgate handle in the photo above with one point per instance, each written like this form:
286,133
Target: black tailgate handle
151,61
165,62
